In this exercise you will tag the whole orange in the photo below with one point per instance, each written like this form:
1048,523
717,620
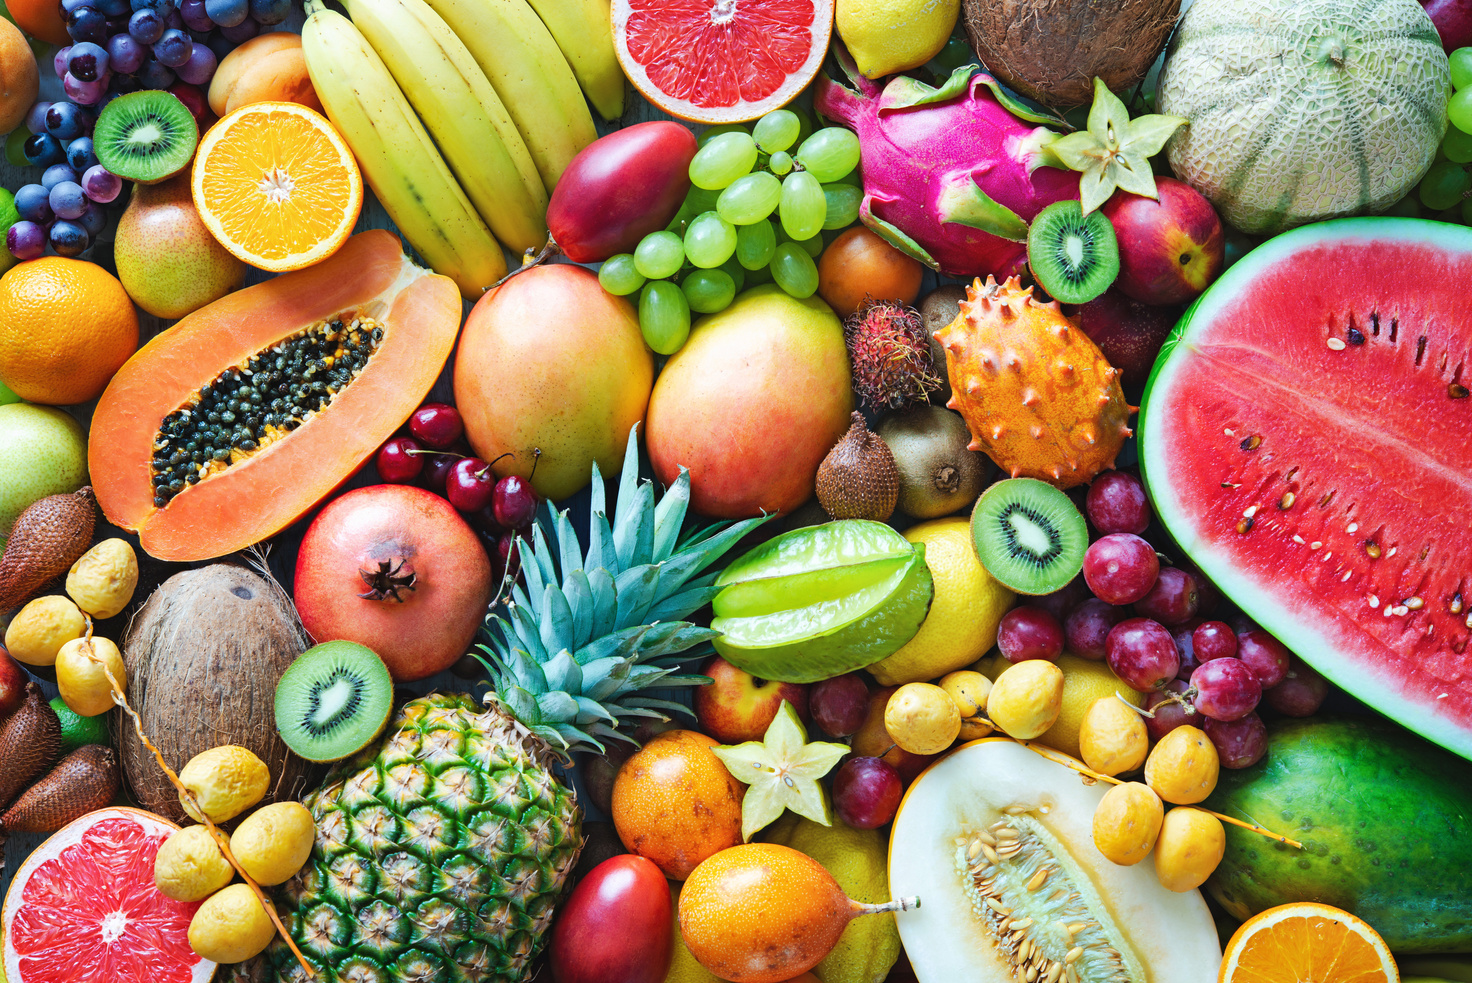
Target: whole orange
66,326
41,19
859,264
675,803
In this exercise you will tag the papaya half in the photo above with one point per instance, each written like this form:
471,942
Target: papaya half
232,424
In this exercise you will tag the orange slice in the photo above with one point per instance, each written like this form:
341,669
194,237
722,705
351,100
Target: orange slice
276,184
1307,942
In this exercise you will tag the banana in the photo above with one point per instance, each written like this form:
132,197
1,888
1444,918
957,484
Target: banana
583,30
463,113
399,161
517,53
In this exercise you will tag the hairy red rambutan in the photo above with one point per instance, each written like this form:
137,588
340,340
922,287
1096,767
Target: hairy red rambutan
892,363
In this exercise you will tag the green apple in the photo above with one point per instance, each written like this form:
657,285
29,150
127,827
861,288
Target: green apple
43,451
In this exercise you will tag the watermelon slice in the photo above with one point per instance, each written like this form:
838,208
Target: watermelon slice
1306,437
83,908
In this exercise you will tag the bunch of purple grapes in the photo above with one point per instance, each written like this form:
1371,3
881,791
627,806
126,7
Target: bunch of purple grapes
66,207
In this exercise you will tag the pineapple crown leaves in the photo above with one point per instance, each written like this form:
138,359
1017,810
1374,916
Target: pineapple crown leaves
1115,151
590,629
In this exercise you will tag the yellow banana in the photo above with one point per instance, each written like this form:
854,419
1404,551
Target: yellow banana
396,155
517,53
463,113
583,30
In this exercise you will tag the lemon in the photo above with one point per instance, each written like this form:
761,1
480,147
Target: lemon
1084,681
963,618
888,36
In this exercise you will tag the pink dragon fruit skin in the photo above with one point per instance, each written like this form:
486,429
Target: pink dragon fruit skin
951,177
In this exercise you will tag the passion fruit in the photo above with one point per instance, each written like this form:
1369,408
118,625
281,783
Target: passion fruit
1113,738
922,718
970,691
225,781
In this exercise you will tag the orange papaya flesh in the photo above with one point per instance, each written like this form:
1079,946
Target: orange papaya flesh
264,490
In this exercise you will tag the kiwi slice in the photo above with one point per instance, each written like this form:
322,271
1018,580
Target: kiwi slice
145,136
1029,535
1075,257
333,700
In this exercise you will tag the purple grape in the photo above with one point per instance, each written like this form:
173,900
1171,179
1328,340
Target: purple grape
1143,654
84,93
192,11
55,174
1239,743
1029,633
173,20
68,238
227,13
94,219
1173,599
200,37
68,201
241,32
114,8
269,12
146,26
25,240
1120,568
153,75
100,184
65,121
43,150
87,62
1088,626
200,67
221,45
1064,599
60,59
173,49
1264,655
121,86
36,117
140,4
1225,689
1301,692
88,24
126,53
33,201
70,6
1116,503
80,154
1186,646
1214,640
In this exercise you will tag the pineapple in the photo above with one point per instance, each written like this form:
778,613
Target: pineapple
443,851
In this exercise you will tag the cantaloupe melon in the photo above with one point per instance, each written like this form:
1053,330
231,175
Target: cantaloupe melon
1302,110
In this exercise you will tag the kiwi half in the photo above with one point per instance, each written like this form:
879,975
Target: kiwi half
146,136
1075,257
333,700
1029,535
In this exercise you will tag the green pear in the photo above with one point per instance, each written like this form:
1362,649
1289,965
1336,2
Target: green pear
166,258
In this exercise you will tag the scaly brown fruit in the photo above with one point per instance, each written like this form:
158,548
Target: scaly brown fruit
49,536
858,479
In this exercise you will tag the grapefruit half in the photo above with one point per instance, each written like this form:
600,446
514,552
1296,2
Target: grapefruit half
721,61
83,907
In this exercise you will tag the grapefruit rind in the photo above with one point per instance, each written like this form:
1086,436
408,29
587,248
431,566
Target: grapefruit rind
158,829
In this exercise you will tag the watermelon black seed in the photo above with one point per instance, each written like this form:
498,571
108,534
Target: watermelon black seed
1251,443
1456,391
1286,502
1245,526
1456,605
1355,336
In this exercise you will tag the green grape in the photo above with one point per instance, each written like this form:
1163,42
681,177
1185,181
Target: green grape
830,153
1457,145
750,199
843,205
709,291
794,270
755,244
711,132
777,130
803,207
780,163
1461,64
659,255
1444,185
732,268
1459,110
804,120
755,278
1467,211
664,316
723,160
1407,207
619,275
813,246
710,240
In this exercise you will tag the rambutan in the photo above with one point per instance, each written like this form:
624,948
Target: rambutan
890,353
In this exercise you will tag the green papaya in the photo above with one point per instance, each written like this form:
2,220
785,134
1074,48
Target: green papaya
1385,819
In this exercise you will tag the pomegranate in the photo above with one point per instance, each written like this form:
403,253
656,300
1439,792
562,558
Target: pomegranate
395,568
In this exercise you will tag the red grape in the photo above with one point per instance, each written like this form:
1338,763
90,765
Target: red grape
1142,653
866,792
839,705
1065,599
1208,598
1169,713
1225,689
1172,601
1264,655
1186,646
1088,626
436,425
1241,624
1120,568
515,502
469,485
1116,503
1030,633
396,463
1214,640
1301,692
1239,743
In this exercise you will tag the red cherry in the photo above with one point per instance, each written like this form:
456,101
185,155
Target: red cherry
469,484
515,502
396,461
436,425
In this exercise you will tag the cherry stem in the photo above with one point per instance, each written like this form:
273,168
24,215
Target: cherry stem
490,464
426,450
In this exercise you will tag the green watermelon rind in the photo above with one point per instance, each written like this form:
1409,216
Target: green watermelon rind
1358,679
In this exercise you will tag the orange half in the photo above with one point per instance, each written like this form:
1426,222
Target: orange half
1307,942
277,185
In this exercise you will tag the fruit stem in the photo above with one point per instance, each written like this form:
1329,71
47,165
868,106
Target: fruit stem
221,840
898,904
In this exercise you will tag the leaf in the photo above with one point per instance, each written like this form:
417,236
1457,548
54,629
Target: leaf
567,544
605,602
893,235
523,705
557,633
563,673
669,516
633,531
557,707
580,602
964,203
904,92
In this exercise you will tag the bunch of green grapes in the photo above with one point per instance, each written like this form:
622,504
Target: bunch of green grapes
725,236
1448,182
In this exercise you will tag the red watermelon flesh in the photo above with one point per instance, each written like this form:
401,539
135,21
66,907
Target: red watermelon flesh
1306,437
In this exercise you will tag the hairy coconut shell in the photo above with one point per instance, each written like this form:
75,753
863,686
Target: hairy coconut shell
30,739
83,781
1051,50
48,537
204,655
857,480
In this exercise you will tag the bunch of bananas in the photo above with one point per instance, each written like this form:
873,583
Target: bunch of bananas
464,113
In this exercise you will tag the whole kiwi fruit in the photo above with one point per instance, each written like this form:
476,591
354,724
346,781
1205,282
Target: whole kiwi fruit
939,308
938,474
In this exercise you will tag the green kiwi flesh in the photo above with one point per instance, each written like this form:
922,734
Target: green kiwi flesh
1029,535
939,474
333,701
146,136
1075,257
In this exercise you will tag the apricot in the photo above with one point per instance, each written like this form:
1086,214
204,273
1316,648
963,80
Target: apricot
267,68
860,264
675,803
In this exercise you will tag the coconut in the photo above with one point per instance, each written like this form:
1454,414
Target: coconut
203,655
1051,50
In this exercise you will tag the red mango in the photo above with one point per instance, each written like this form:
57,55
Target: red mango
615,928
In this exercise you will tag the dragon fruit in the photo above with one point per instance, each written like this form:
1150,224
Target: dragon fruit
951,175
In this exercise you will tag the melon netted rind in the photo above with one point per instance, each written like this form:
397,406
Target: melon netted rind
1304,110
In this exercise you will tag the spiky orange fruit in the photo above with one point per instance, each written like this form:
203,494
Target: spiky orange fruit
1039,397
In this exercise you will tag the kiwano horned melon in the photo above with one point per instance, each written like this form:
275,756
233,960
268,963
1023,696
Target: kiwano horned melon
997,842
1301,110
229,426
1304,439
1038,396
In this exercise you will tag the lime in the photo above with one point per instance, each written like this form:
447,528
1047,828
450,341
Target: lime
8,217
77,730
